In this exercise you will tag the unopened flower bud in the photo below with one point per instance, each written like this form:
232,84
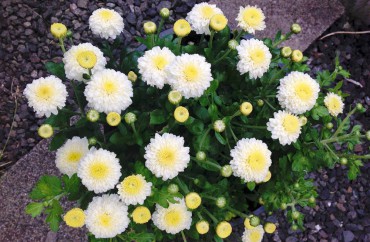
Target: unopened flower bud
297,56
181,114
173,188
113,119
150,27
193,200
303,120
312,199
360,107
181,28
246,108
130,118
219,126
174,97
132,76
164,13
232,44
221,202
296,28
260,102
202,227
69,34
286,51
255,221
295,214
58,30
367,135
329,125
201,156
218,22
226,171
92,115
92,141
343,161
269,228
45,131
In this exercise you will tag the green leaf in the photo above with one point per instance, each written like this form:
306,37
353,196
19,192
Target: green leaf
54,215
72,185
56,69
34,209
251,185
47,186
157,117
57,141
220,138
300,163
142,237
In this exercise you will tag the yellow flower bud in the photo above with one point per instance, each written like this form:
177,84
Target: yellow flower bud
202,227
219,126
296,28
181,28
303,120
246,108
286,51
224,229
75,218
150,27
247,224
174,97
141,215
58,30
113,118
87,59
164,13
132,76
193,200
269,228
268,177
45,131
297,56
181,114
218,22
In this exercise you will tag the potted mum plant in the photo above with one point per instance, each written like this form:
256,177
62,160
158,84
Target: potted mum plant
174,141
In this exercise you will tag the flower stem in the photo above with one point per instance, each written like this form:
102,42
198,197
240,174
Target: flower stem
222,57
343,123
160,27
286,37
183,236
78,101
179,44
243,215
211,216
61,43
203,138
208,163
233,134
211,39
182,185
269,104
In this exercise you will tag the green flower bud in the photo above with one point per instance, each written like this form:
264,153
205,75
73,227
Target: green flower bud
233,44
130,118
226,171
303,120
296,28
286,51
255,221
201,156
69,33
367,135
294,227
283,206
92,115
164,13
295,215
312,199
45,131
260,102
92,141
174,97
150,27
132,76
343,161
173,188
221,202
329,125
296,185
219,126
360,108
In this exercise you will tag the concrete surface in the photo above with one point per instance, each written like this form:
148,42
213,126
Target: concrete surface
314,16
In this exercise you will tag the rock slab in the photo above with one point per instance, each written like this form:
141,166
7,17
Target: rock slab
314,16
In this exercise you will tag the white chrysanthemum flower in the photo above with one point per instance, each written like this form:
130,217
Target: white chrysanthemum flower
109,91
173,219
251,19
285,127
106,216
251,160
46,95
134,189
152,66
254,234
298,92
106,23
73,69
254,58
200,16
99,170
70,154
166,155
190,75
334,104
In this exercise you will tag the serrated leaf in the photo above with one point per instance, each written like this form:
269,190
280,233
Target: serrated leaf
47,186
56,69
34,209
54,215
157,117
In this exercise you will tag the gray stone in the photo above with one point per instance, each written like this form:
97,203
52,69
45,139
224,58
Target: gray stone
314,17
15,186
82,3
348,236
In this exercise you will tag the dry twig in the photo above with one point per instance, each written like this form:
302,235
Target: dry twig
346,32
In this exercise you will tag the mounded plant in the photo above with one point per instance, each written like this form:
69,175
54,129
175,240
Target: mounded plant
199,128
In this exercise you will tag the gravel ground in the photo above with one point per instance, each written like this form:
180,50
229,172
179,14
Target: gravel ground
342,212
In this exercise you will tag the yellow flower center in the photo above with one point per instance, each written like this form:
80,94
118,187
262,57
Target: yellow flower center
106,14
99,170
105,220
258,56
291,124
191,72
256,160
45,92
172,218
303,91
74,156
255,236
109,86
132,185
166,156
207,12
160,62
252,16
75,218
86,59
334,104
141,215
